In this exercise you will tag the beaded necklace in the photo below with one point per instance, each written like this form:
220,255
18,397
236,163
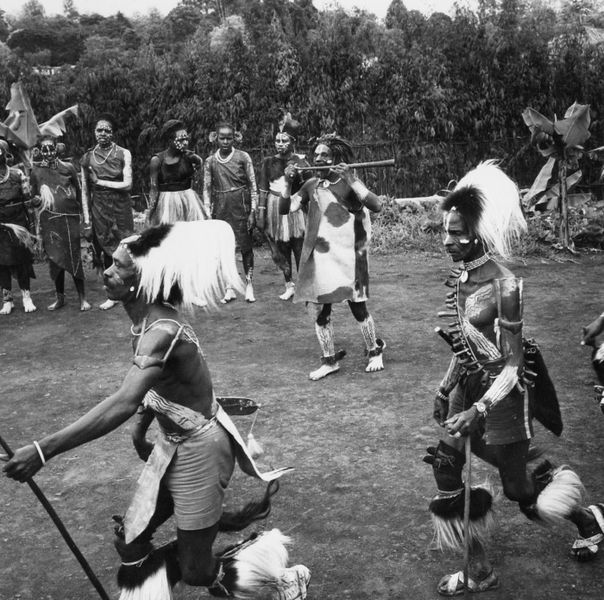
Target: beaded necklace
326,183
226,159
106,158
473,264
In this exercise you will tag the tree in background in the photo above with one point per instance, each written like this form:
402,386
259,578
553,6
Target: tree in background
441,93
69,10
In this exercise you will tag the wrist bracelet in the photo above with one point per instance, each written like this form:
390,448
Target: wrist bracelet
441,396
40,453
261,208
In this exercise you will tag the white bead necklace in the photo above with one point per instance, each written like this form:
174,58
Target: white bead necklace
227,158
106,158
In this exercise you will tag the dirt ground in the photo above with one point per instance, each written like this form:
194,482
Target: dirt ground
356,505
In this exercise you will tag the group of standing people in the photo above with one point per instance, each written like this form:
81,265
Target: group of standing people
54,190
321,224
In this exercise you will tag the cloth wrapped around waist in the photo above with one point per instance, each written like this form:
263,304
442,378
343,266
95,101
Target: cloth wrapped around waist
144,501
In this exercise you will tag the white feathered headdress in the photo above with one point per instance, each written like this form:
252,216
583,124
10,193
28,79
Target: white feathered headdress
489,202
185,263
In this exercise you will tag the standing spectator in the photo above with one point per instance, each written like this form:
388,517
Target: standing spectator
284,233
55,186
16,258
172,172
229,188
106,184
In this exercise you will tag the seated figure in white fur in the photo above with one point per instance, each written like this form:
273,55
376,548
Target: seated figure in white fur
155,275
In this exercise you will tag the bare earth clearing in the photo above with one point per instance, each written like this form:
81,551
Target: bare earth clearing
356,506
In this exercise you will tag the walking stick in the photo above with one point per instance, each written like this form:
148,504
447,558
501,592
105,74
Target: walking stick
466,516
62,530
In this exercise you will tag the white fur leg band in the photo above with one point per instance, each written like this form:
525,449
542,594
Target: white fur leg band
40,453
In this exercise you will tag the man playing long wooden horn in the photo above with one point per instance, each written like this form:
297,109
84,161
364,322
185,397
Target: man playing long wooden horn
155,275
496,383
333,265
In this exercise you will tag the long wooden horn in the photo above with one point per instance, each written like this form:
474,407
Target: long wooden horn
389,162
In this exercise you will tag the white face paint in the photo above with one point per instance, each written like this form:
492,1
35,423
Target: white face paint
104,133
181,140
48,150
323,155
282,143
456,237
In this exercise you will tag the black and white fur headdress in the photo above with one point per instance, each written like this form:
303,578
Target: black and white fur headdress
489,202
340,148
185,263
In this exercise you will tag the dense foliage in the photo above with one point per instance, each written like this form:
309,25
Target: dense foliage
440,93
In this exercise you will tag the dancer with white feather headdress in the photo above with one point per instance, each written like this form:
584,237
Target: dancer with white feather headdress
156,275
494,386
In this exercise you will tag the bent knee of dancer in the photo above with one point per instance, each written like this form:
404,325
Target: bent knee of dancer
198,572
518,487
518,490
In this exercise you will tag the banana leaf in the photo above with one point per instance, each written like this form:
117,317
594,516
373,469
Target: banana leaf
536,121
56,125
541,181
551,198
574,128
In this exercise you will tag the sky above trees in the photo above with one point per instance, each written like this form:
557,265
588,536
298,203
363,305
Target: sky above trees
110,7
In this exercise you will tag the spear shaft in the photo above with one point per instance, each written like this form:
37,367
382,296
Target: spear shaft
62,529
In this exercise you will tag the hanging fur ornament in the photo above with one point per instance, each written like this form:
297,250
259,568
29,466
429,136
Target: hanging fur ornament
22,235
253,447
47,198
146,572
257,569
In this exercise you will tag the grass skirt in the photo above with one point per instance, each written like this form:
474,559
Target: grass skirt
283,227
184,205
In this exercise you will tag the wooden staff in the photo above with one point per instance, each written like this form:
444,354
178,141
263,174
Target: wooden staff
62,529
466,516
362,165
